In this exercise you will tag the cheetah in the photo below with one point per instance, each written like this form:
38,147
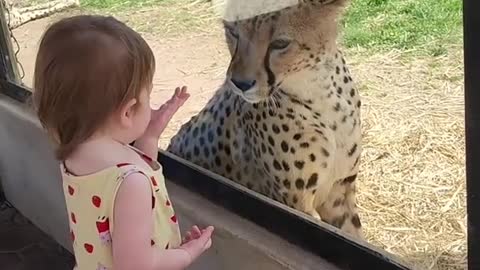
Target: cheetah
286,121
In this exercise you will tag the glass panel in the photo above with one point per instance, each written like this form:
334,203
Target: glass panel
297,115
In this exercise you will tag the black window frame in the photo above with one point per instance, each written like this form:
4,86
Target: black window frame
322,240
10,82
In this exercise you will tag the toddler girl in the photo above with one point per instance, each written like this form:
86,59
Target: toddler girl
92,83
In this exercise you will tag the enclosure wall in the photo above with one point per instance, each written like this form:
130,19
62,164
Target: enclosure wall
32,183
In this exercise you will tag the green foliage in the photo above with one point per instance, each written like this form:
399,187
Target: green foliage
403,24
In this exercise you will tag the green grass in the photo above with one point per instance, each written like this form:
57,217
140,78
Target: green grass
430,25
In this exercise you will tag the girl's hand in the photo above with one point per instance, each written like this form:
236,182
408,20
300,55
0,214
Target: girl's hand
196,246
164,114
194,233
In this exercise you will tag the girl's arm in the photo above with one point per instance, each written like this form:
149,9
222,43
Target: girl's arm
133,225
148,143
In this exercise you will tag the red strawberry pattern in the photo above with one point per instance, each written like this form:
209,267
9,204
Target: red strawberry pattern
161,204
155,184
103,228
96,201
122,165
147,158
88,247
70,190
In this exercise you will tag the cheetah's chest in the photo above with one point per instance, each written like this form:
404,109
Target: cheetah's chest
280,135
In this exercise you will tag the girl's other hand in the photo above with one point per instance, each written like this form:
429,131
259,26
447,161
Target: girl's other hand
195,247
194,233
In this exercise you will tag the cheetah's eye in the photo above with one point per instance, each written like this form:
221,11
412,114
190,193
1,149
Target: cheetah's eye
279,44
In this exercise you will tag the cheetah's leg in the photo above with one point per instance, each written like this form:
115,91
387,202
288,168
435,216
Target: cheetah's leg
340,208
299,190
307,205
304,179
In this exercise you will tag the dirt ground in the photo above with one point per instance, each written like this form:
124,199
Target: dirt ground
411,187
197,61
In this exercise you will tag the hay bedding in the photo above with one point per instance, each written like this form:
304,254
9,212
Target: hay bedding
412,180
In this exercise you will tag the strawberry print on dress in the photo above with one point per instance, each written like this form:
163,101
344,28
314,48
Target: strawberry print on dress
90,207
88,247
155,184
147,158
96,201
71,191
103,228
122,165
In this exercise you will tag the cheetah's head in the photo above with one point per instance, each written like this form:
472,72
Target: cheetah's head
267,49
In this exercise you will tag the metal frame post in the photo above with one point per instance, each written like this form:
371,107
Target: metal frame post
471,22
8,67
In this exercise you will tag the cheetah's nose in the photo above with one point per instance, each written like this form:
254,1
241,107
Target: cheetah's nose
243,85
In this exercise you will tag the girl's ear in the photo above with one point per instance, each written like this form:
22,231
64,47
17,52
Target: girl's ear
127,113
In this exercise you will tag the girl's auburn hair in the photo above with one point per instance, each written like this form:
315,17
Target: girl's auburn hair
86,68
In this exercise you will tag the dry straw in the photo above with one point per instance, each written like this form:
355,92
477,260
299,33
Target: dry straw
412,181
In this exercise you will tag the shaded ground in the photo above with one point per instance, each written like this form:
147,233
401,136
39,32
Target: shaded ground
411,187
24,247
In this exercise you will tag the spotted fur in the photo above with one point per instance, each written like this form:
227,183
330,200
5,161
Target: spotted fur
286,122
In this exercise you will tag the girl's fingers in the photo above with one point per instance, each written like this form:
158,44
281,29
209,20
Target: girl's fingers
196,233
177,100
182,91
208,244
175,94
206,235
188,236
